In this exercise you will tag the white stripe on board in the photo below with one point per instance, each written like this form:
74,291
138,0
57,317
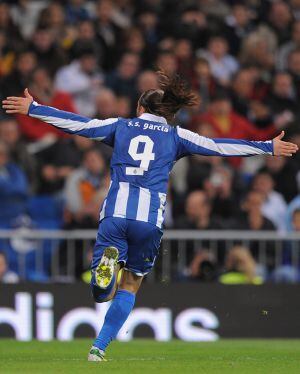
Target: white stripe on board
122,200
143,205
161,209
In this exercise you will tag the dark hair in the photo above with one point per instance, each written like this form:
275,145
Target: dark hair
172,95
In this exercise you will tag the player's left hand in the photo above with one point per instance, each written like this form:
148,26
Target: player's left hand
282,148
18,105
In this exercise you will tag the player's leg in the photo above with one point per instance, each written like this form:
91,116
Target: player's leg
144,240
117,314
110,253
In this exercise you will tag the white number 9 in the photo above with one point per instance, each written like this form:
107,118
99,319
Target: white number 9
145,157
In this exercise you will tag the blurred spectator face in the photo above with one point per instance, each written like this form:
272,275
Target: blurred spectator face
123,107
218,47
167,62
283,85
296,220
41,79
135,41
241,15
240,259
202,69
243,83
197,204
219,182
56,15
194,18
26,62
9,132
86,30
253,202
263,183
221,107
4,15
129,66
183,49
205,129
106,103
280,15
88,63
294,62
275,164
3,154
147,80
296,32
94,162
148,20
43,39
83,143
3,265
104,11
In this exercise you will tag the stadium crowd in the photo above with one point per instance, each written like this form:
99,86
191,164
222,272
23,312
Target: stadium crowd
96,57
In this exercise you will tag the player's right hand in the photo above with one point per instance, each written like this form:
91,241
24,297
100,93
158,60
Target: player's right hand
20,105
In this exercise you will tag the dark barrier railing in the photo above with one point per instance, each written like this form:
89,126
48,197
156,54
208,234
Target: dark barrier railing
58,255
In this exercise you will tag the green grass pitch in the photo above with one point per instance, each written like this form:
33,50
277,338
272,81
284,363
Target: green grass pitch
147,356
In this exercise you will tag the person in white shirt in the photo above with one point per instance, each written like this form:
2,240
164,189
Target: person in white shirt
274,207
82,80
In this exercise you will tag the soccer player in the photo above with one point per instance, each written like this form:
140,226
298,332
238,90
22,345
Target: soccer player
131,218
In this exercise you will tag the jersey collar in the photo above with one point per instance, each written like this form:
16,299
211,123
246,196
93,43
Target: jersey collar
153,118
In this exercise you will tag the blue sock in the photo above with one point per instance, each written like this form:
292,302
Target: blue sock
116,315
101,294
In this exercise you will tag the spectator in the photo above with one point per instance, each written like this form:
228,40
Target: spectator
282,100
6,276
222,64
48,53
239,26
219,188
240,267
13,189
123,80
294,69
167,62
7,55
107,31
87,36
252,217
44,92
15,82
228,124
203,82
284,174
280,18
76,11
82,79
203,267
274,206
288,47
85,190
243,85
106,104
198,213
10,135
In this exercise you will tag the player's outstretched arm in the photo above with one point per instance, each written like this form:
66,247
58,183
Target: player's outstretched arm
192,143
68,122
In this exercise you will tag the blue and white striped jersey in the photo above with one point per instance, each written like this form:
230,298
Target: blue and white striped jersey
144,152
